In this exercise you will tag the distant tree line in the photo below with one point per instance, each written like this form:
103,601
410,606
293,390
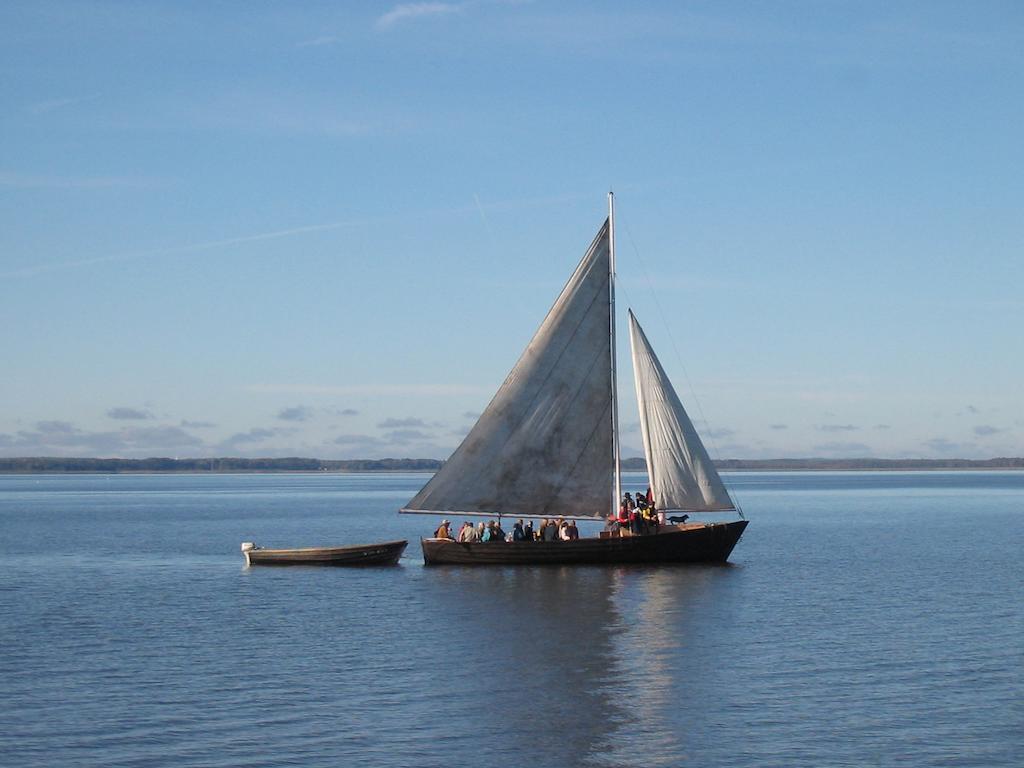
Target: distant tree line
295,464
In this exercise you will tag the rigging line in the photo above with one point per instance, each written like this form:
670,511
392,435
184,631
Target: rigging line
679,357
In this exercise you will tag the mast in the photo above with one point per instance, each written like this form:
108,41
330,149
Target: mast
611,329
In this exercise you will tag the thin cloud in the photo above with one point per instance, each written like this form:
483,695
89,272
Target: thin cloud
34,181
511,204
406,11
60,438
403,436
778,426
27,271
296,413
842,449
357,441
946,447
316,42
128,414
254,435
400,423
368,389
56,427
882,426
984,430
838,427
349,412
50,105
196,424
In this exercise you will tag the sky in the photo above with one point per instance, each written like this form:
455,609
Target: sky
329,229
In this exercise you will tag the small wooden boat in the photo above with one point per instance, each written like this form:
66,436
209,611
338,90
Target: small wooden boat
383,553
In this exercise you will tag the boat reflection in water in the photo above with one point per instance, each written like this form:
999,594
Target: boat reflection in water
587,661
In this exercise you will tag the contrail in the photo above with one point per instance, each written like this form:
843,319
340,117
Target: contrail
181,249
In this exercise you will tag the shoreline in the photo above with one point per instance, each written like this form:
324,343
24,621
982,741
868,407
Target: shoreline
729,470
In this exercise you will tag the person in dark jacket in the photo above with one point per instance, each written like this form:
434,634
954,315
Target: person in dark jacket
517,531
528,531
550,532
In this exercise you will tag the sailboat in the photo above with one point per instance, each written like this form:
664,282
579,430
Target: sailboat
547,445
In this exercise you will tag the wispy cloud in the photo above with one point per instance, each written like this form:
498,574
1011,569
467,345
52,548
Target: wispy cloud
296,413
403,436
400,423
984,430
182,250
406,11
50,105
838,427
317,42
778,426
126,414
841,449
61,438
179,250
369,389
197,424
36,181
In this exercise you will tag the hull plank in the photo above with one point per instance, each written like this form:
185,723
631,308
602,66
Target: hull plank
711,543
384,553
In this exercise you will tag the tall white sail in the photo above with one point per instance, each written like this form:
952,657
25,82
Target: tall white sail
543,447
681,472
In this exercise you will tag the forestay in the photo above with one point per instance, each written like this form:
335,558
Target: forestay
543,447
681,473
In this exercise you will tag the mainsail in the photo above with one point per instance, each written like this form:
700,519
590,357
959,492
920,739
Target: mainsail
681,473
543,446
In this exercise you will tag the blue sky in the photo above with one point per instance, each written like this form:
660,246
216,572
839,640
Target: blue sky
319,229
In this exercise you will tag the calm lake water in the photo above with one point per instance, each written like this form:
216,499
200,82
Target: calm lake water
866,619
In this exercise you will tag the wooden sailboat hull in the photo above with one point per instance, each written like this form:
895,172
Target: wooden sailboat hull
695,543
384,553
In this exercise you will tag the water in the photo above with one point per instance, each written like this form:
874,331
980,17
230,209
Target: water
866,619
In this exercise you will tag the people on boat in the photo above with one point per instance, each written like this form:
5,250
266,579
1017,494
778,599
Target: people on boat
480,528
518,532
635,522
623,518
572,531
443,530
550,531
528,531
469,533
650,520
498,534
488,532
